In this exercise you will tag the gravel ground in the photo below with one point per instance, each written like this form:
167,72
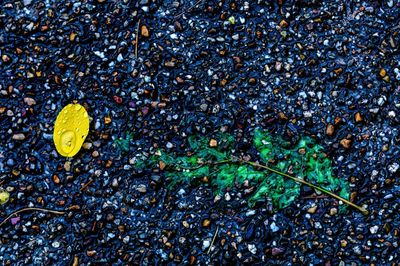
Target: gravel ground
328,69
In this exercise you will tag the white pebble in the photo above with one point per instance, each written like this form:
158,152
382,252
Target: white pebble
252,248
206,243
227,196
273,227
374,229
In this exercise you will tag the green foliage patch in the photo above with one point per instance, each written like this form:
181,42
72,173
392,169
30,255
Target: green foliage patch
305,160
122,143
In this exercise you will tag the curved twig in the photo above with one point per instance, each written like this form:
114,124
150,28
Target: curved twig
295,179
30,209
298,180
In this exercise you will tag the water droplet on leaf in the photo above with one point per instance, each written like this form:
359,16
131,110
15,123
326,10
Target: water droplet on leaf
71,122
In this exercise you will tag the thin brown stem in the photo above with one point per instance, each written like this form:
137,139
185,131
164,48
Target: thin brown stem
137,39
205,163
212,242
30,209
298,180
86,185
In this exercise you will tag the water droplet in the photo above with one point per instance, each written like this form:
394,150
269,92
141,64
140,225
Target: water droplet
77,129
85,115
66,111
78,107
68,140
59,132
64,121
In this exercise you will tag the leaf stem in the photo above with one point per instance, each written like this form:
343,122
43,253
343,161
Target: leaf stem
295,179
298,180
30,209
205,163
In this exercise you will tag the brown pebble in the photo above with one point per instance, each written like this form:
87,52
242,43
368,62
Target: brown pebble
144,31
353,196
333,211
338,71
346,143
95,154
109,163
76,261
178,26
343,243
192,260
72,36
252,81
206,223
386,78
107,120
312,209
358,118
56,179
87,145
282,116
15,172
382,72
213,143
180,80
283,23
91,253
330,130
162,165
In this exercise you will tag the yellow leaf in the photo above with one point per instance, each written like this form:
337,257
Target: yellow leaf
70,129
4,196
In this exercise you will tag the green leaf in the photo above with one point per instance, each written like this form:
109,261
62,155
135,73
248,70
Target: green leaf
304,159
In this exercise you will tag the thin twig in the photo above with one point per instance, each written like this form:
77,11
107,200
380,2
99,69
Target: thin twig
315,197
30,209
137,38
298,180
206,163
86,185
212,242
187,10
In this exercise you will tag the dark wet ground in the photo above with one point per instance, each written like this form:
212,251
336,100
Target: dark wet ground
329,69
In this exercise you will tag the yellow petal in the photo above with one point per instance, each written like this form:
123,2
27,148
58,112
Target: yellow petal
70,129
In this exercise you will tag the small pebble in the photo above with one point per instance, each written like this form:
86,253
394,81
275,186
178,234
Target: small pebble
144,31
141,188
19,136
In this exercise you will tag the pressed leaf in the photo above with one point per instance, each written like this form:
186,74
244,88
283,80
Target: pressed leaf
304,159
70,129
